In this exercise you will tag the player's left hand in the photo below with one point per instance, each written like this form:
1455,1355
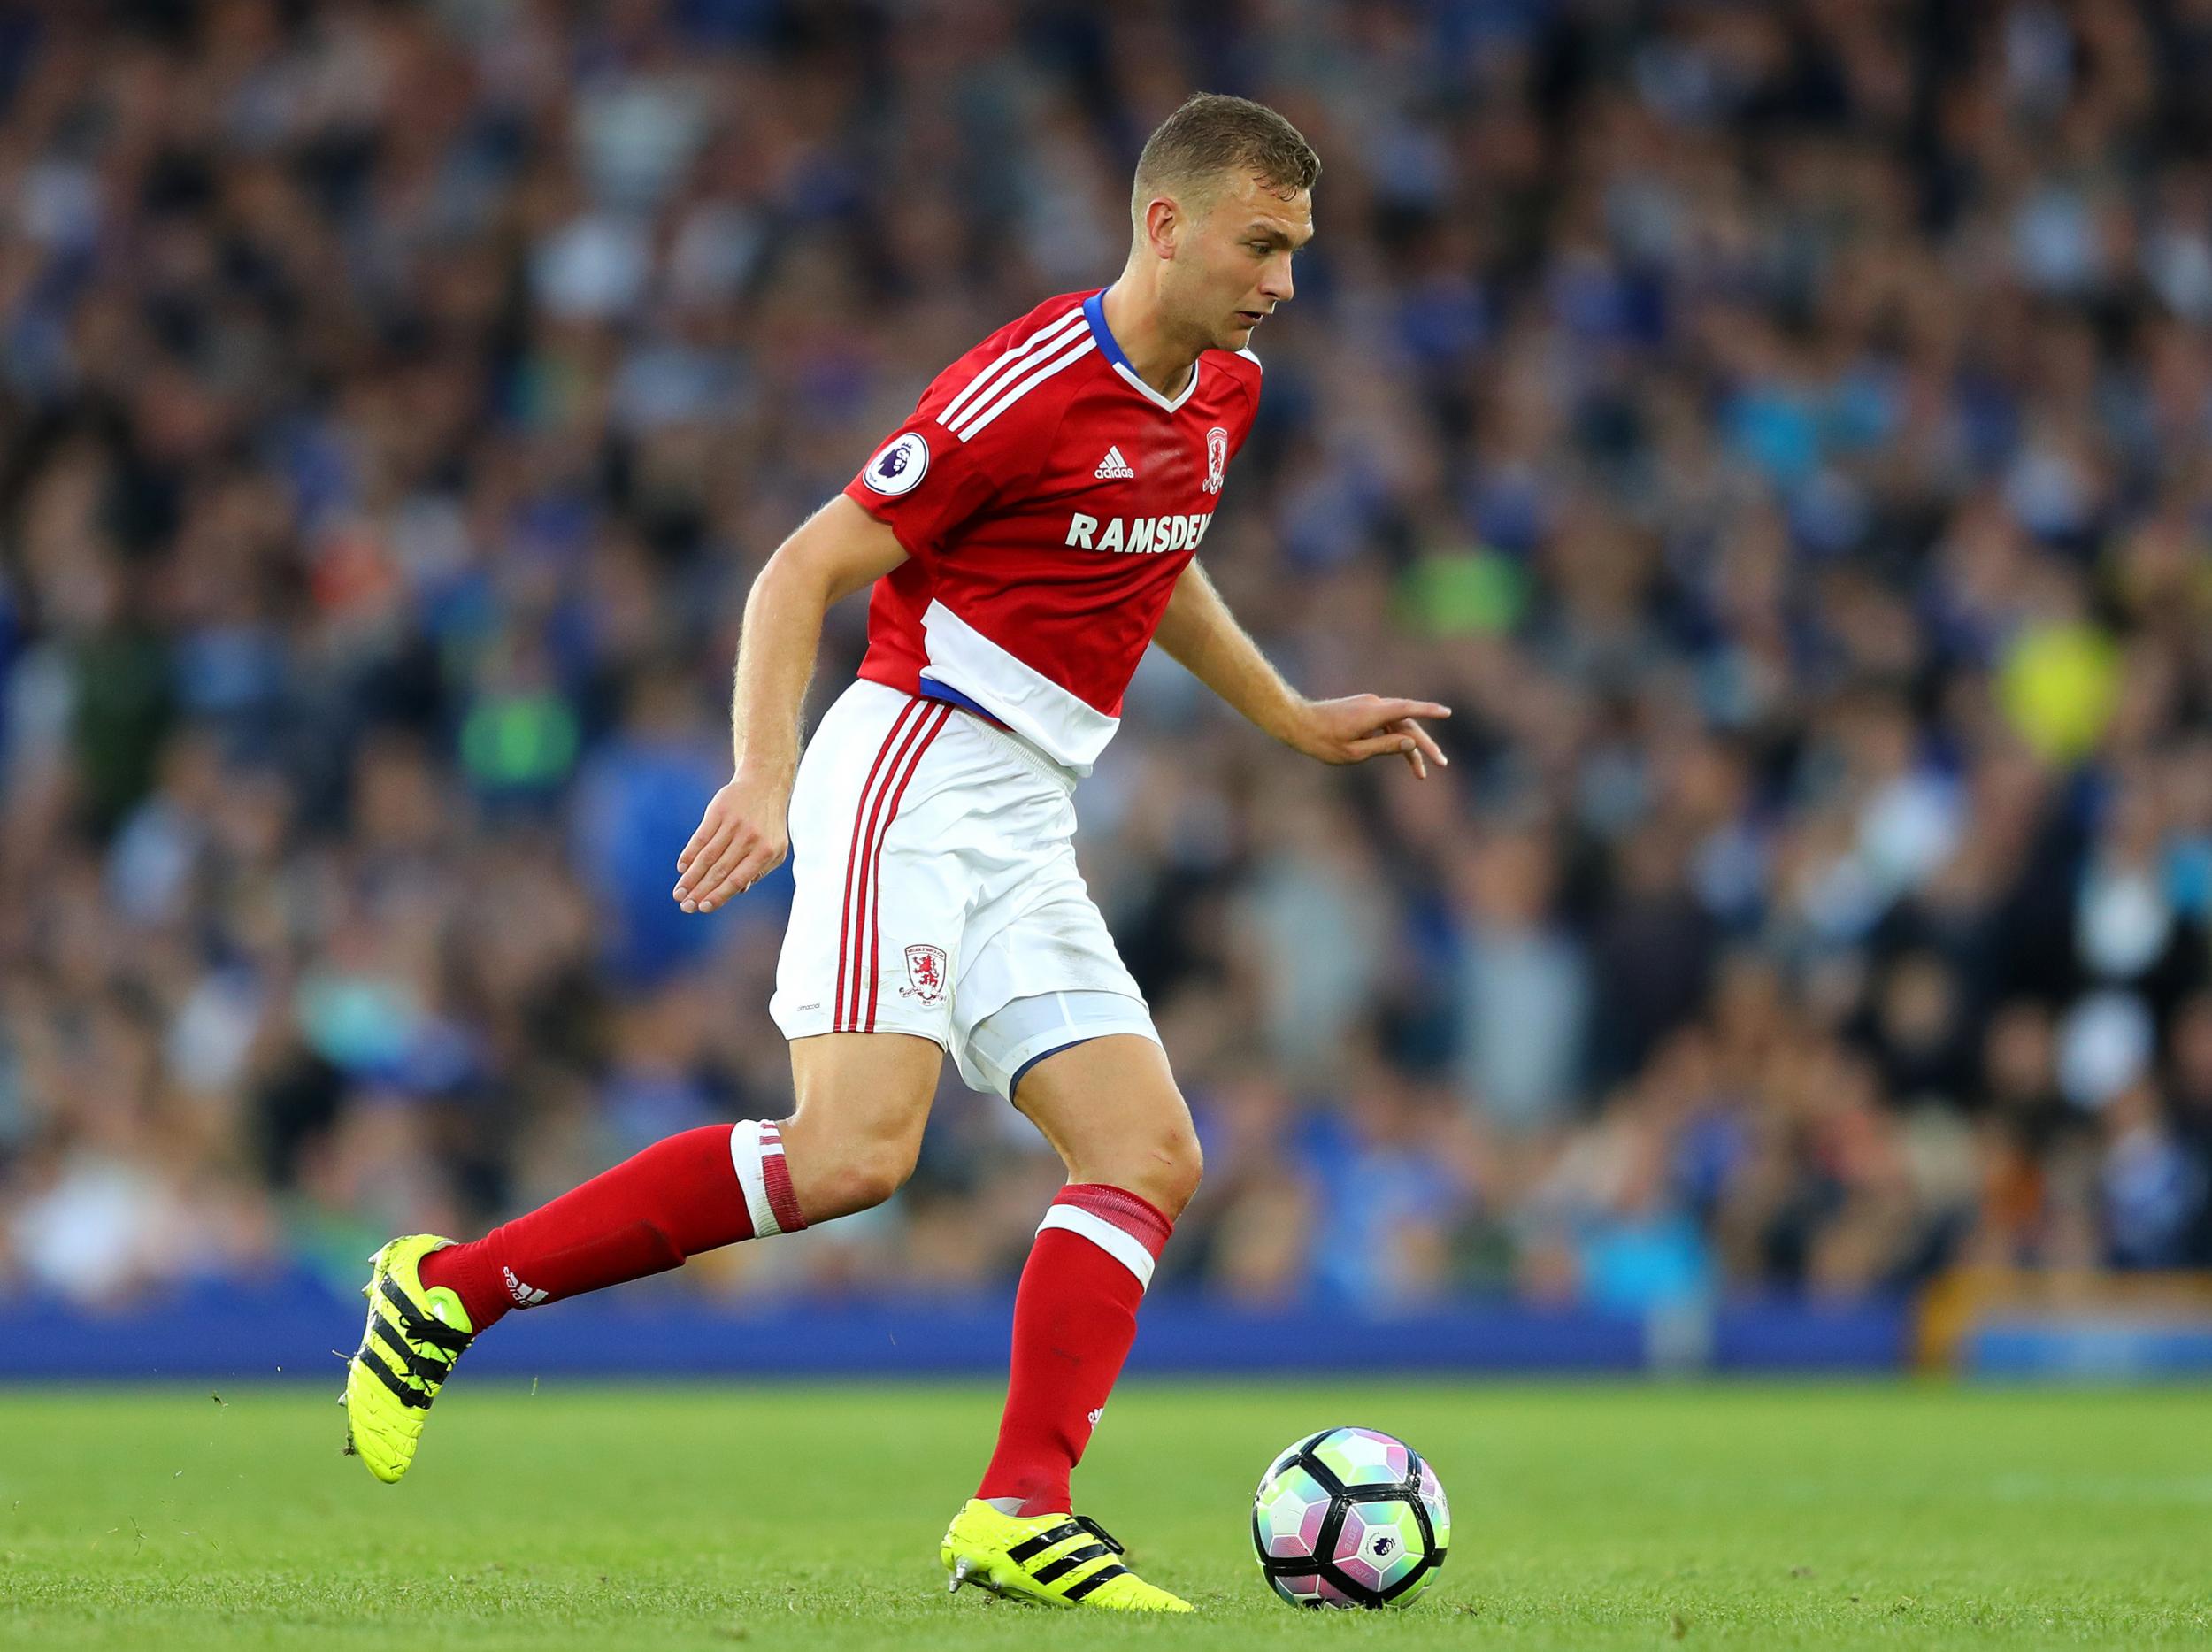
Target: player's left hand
1363,726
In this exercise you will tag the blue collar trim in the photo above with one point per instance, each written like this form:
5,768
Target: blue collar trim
1108,346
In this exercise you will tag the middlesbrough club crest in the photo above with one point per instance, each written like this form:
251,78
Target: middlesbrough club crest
925,973
1217,458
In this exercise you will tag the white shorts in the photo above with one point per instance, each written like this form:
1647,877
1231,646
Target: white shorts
935,860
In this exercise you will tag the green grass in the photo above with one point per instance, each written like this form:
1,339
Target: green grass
612,1518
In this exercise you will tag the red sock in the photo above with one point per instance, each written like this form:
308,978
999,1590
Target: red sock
1074,1319
690,1193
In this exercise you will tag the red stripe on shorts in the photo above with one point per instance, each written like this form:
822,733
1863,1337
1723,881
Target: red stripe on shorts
852,856
875,910
863,885
878,827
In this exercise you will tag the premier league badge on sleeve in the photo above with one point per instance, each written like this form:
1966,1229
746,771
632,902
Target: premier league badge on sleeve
1217,458
900,465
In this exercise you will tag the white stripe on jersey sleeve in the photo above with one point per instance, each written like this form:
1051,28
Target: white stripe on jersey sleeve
975,418
1006,366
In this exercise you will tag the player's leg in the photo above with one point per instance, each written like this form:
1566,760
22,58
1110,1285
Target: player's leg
1111,1108
1086,1068
863,1100
865,1072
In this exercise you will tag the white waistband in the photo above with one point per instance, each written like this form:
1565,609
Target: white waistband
1027,750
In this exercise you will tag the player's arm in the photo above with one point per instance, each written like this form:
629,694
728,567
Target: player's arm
839,549
1199,631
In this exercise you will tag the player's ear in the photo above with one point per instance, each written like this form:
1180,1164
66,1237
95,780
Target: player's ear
1162,226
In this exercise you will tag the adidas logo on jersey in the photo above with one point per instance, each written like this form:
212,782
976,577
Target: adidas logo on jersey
1114,468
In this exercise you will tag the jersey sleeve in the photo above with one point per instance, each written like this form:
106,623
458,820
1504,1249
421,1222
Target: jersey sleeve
925,483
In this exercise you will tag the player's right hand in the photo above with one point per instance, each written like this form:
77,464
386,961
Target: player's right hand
741,839
1363,726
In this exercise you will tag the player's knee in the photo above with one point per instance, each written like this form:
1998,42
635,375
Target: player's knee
866,1172
1162,1168
840,1166
879,1169
1182,1165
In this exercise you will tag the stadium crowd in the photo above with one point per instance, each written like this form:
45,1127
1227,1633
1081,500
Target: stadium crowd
1778,430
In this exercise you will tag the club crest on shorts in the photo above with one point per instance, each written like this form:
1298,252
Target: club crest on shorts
1217,458
925,974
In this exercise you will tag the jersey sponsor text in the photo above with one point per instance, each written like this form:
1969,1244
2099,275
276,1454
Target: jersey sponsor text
1139,535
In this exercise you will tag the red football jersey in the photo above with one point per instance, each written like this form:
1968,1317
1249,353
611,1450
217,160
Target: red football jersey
1048,498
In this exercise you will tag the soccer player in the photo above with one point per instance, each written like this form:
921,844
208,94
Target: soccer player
1026,533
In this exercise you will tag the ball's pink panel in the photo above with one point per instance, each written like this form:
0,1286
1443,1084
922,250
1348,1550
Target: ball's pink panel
1288,1514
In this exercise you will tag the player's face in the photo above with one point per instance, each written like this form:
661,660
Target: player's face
1239,269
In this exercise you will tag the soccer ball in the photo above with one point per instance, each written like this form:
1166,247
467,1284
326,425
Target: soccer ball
1350,1516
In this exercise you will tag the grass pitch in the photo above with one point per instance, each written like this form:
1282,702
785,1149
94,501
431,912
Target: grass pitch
613,1518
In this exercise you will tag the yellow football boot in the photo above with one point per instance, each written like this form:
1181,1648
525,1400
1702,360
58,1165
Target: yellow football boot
1050,1559
413,1338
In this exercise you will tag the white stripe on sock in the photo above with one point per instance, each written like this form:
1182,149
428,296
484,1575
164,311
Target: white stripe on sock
746,1146
1124,1248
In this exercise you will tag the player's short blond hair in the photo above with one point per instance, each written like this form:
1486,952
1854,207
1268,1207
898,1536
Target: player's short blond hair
1214,133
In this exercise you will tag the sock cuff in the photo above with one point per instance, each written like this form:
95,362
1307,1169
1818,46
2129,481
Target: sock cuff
757,1153
1128,1228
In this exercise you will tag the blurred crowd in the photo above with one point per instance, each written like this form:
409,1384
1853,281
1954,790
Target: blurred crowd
1778,430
